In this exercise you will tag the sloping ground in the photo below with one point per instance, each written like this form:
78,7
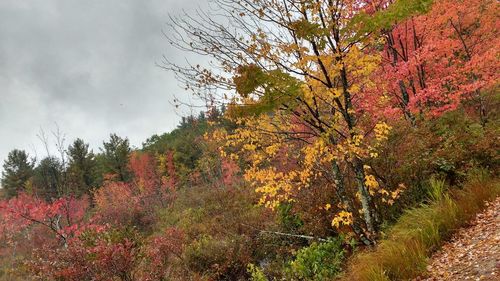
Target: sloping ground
473,253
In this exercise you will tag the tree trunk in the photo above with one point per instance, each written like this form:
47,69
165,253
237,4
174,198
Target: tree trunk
357,164
342,194
369,213
405,101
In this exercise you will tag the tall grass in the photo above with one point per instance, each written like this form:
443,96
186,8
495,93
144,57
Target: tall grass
420,231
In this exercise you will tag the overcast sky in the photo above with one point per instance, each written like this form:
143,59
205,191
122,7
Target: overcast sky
88,66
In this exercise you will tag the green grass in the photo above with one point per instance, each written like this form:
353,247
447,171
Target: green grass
403,255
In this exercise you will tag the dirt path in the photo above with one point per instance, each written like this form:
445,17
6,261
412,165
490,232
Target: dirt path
473,253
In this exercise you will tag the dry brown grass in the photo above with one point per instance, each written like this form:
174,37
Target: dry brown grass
420,231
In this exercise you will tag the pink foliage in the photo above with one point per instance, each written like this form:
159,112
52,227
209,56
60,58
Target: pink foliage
440,59
135,202
98,257
61,216
159,252
170,180
230,170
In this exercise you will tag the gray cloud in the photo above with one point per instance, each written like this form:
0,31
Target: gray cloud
87,65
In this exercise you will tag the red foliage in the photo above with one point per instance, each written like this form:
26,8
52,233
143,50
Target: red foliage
159,252
134,203
439,59
143,166
61,217
106,254
230,170
94,255
460,51
171,180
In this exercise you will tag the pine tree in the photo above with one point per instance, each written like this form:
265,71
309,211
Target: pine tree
18,169
82,166
49,178
115,156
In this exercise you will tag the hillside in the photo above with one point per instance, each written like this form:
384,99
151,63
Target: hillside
340,140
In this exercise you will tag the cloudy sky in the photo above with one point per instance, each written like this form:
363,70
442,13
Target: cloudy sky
88,66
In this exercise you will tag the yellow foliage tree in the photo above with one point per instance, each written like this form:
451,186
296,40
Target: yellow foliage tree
293,73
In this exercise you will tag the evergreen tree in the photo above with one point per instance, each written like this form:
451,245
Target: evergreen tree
185,142
17,170
48,178
82,166
115,156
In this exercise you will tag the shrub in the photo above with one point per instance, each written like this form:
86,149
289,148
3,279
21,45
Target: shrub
448,147
319,261
222,229
255,273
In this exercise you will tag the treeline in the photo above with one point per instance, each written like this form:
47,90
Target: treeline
77,170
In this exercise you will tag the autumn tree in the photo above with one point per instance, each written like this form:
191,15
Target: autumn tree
397,39
134,202
434,62
460,52
17,171
294,73
59,217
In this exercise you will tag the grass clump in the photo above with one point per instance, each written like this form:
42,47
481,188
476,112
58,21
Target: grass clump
403,254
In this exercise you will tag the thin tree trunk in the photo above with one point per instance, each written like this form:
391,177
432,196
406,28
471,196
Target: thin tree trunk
483,114
357,164
342,194
405,97
366,202
405,101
